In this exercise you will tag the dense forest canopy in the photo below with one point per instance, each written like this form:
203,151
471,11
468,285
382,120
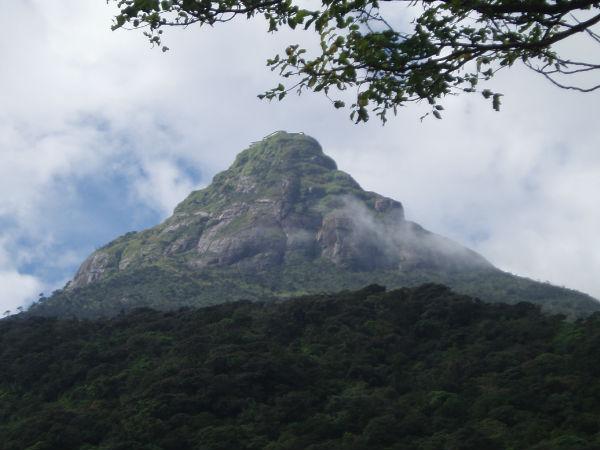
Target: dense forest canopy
374,48
418,369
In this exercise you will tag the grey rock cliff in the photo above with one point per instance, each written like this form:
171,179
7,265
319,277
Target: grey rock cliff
282,197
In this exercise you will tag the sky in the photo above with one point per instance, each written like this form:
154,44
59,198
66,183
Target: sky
101,134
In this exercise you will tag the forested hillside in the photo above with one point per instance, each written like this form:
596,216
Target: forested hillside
416,368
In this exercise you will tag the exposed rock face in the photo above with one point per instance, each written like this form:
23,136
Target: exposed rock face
281,196
92,269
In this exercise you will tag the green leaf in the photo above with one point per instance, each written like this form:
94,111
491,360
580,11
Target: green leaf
496,102
363,100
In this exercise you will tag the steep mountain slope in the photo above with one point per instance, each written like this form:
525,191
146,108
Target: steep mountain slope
281,221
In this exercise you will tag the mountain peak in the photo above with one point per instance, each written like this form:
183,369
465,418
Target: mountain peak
282,199
281,169
283,151
282,220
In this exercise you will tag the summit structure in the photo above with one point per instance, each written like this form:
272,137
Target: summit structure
282,221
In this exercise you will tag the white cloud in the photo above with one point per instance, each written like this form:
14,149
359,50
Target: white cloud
80,102
163,185
17,290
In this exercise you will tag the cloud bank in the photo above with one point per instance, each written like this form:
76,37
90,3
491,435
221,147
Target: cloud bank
100,134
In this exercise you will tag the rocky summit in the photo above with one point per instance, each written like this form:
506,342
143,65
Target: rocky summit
282,199
283,221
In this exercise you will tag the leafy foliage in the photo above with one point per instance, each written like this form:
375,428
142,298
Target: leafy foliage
419,368
448,48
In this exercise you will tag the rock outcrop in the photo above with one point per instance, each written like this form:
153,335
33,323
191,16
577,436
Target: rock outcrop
282,197
284,221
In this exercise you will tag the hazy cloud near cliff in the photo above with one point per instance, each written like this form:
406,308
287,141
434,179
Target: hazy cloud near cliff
100,134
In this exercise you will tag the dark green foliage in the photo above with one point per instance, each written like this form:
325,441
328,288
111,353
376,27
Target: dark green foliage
421,368
386,60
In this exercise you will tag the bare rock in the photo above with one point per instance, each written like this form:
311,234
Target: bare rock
92,269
